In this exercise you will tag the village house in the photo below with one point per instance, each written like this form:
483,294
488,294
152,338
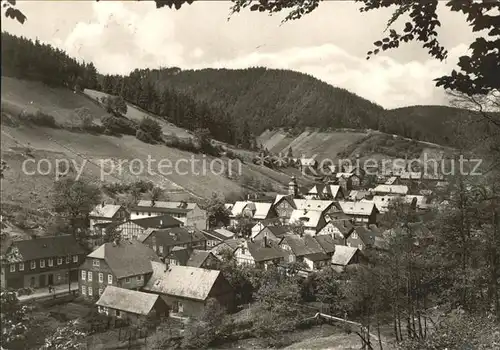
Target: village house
125,264
338,230
360,212
325,191
215,237
345,256
311,221
190,214
305,250
400,190
363,237
260,254
357,195
135,229
107,214
272,233
178,256
284,205
257,211
186,289
41,262
348,181
162,241
227,247
131,305
203,259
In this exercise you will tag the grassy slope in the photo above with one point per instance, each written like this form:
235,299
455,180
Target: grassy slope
59,143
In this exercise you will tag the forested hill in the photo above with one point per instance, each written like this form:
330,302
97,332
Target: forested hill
234,105
270,98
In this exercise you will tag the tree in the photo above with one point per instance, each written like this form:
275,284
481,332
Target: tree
155,194
244,225
217,212
151,127
75,199
69,337
15,318
115,104
85,116
112,234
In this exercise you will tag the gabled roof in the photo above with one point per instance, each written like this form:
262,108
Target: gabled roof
226,233
327,243
167,205
182,281
261,252
161,221
320,256
212,234
302,246
262,210
286,197
309,218
278,231
332,190
343,255
177,236
366,235
317,189
356,195
198,257
181,254
47,247
127,300
231,244
344,226
313,204
238,208
381,202
128,258
395,189
105,211
357,208
391,180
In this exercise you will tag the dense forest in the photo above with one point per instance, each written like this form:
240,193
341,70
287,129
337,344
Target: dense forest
234,105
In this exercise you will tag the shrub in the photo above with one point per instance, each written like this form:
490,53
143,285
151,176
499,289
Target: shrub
118,125
144,136
38,118
151,127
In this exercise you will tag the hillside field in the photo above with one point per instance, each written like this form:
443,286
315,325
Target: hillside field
21,142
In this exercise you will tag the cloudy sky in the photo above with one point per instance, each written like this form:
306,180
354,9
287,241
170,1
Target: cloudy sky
330,44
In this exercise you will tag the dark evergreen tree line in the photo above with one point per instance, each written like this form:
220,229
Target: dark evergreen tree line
26,59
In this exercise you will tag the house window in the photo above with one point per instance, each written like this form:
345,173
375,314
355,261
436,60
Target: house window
67,260
173,262
117,313
136,213
51,262
90,291
58,277
100,291
89,276
84,275
84,290
33,265
59,261
95,262
101,277
12,268
42,263
354,235
75,258
110,279
127,280
243,251
154,248
21,266
360,246
161,249
139,278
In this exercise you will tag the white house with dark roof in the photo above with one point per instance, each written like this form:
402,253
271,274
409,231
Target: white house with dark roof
344,256
360,212
186,289
312,221
126,264
401,190
257,211
107,213
190,214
